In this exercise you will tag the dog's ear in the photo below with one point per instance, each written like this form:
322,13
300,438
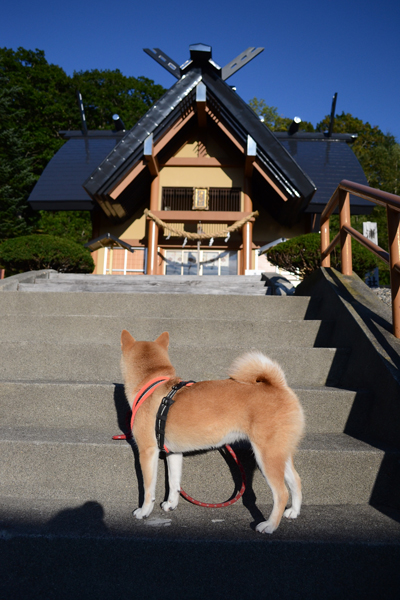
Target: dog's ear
163,340
127,340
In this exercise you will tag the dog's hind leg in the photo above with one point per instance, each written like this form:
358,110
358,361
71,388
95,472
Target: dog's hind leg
148,464
174,462
293,480
273,469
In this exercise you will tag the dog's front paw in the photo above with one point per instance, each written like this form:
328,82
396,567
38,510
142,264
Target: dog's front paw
266,527
143,512
291,513
169,506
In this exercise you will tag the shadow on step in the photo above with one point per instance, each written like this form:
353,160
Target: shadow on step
124,414
85,520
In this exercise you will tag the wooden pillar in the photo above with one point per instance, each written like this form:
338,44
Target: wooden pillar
345,238
153,230
325,241
247,231
95,218
393,221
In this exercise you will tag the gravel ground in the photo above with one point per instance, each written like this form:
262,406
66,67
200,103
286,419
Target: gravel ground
384,294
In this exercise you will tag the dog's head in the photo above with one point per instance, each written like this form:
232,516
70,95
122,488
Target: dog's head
141,360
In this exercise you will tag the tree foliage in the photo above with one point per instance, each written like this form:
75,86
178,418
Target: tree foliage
37,101
270,116
75,225
16,176
34,252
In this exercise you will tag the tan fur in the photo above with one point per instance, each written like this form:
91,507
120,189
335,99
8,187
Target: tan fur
255,403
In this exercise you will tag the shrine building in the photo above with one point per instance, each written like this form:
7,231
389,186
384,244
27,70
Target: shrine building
199,185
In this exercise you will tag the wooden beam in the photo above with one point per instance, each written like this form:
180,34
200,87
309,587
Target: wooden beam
268,179
250,156
128,178
176,127
227,132
149,156
201,97
141,164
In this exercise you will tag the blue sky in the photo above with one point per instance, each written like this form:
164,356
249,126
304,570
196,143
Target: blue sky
313,48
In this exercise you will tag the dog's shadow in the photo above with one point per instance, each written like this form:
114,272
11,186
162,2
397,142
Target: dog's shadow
124,415
242,450
245,456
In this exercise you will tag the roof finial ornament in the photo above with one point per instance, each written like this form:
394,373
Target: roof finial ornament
200,54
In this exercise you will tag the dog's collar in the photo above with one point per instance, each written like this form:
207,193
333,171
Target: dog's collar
144,393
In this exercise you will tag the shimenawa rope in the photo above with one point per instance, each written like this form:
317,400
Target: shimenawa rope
201,236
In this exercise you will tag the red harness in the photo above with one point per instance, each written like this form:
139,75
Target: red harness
140,397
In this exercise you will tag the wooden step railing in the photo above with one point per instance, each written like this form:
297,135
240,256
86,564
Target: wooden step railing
341,198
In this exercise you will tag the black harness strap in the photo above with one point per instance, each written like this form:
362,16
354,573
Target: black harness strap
162,413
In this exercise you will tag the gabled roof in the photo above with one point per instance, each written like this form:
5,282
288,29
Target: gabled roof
201,78
327,160
89,169
60,185
129,150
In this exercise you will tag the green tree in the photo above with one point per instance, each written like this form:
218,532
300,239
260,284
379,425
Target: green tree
42,102
272,119
16,176
75,225
107,92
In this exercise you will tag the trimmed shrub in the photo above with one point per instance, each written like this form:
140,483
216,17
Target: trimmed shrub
302,255
34,252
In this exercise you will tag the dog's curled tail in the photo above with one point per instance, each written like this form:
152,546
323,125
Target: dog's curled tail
254,367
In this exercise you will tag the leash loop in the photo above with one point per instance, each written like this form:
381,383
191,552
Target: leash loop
228,502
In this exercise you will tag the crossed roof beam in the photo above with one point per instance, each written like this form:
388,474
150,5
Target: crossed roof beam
230,69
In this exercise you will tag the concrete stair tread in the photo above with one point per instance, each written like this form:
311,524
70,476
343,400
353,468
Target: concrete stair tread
151,284
156,289
315,442
100,329
100,362
144,304
67,464
327,409
87,518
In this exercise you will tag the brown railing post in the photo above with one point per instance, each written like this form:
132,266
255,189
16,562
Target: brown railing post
393,221
325,239
345,238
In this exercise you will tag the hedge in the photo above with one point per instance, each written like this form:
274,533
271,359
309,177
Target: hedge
302,255
34,252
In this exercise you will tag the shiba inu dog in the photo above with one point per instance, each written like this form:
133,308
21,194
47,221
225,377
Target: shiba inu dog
254,404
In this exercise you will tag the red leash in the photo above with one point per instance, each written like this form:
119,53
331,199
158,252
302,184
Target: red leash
228,502
141,396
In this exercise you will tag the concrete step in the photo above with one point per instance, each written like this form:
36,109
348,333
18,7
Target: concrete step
65,463
327,410
51,361
156,288
106,329
99,279
52,549
254,285
165,306
113,520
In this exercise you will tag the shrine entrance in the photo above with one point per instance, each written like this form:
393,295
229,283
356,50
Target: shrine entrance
203,262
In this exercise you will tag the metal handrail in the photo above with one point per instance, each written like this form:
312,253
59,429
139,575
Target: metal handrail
341,198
